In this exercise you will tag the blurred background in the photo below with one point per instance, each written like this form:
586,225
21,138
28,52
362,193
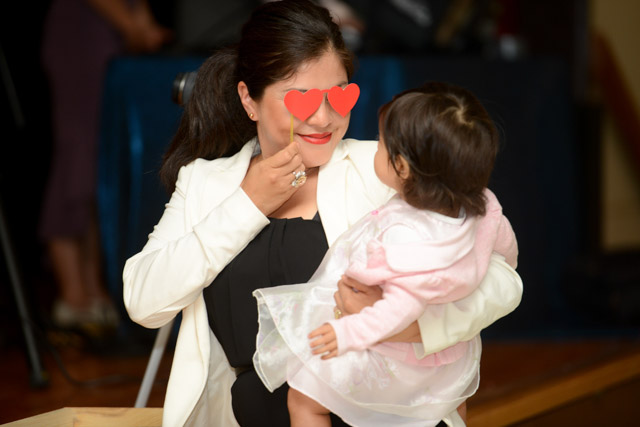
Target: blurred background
560,78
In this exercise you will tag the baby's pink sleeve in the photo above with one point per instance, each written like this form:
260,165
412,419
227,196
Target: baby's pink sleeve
397,309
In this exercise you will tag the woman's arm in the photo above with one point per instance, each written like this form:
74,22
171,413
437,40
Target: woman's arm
180,260
443,325
499,293
191,244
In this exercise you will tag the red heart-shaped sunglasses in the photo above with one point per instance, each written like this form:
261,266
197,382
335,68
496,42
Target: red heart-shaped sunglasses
303,105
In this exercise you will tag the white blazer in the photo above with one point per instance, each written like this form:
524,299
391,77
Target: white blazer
209,220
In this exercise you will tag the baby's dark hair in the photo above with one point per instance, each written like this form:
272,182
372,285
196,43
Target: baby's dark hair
449,142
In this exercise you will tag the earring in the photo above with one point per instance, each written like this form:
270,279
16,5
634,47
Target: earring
251,116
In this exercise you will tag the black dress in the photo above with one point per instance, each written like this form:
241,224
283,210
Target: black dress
286,251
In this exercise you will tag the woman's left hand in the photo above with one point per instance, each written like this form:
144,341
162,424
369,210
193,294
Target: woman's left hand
352,296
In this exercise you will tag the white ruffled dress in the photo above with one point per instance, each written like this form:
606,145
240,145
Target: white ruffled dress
372,384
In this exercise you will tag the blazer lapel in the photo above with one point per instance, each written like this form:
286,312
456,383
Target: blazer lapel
332,194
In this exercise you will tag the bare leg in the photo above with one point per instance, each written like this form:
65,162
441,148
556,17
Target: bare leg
103,310
65,255
304,411
77,268
462,410
92,266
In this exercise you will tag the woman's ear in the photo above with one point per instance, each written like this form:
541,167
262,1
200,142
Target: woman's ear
402,166
248,103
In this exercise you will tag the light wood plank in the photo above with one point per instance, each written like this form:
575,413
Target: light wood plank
93,417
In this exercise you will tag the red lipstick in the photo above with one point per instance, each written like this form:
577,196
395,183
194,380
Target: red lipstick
317,138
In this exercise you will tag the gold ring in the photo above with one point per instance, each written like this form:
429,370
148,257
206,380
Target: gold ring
299,178
337,313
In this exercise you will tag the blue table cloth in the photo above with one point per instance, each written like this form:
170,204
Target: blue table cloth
138,120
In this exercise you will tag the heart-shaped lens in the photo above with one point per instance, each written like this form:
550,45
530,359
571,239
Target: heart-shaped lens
343,100
303,105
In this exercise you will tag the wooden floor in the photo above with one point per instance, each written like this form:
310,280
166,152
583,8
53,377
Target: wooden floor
571,382
576,382
78,376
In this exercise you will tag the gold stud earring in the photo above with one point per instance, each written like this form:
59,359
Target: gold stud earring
251,116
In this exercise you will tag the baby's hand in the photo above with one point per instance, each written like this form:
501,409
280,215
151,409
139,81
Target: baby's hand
326,344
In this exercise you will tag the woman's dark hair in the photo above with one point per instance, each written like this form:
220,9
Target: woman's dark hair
278,38
449,142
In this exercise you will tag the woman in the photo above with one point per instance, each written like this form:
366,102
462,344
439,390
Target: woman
238,223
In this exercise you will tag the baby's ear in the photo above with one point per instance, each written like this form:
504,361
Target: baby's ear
402,166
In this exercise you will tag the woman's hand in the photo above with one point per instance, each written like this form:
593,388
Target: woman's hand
352,296
268,180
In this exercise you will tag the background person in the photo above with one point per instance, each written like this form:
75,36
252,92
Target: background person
80,37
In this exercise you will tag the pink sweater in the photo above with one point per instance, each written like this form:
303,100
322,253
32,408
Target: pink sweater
419,257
